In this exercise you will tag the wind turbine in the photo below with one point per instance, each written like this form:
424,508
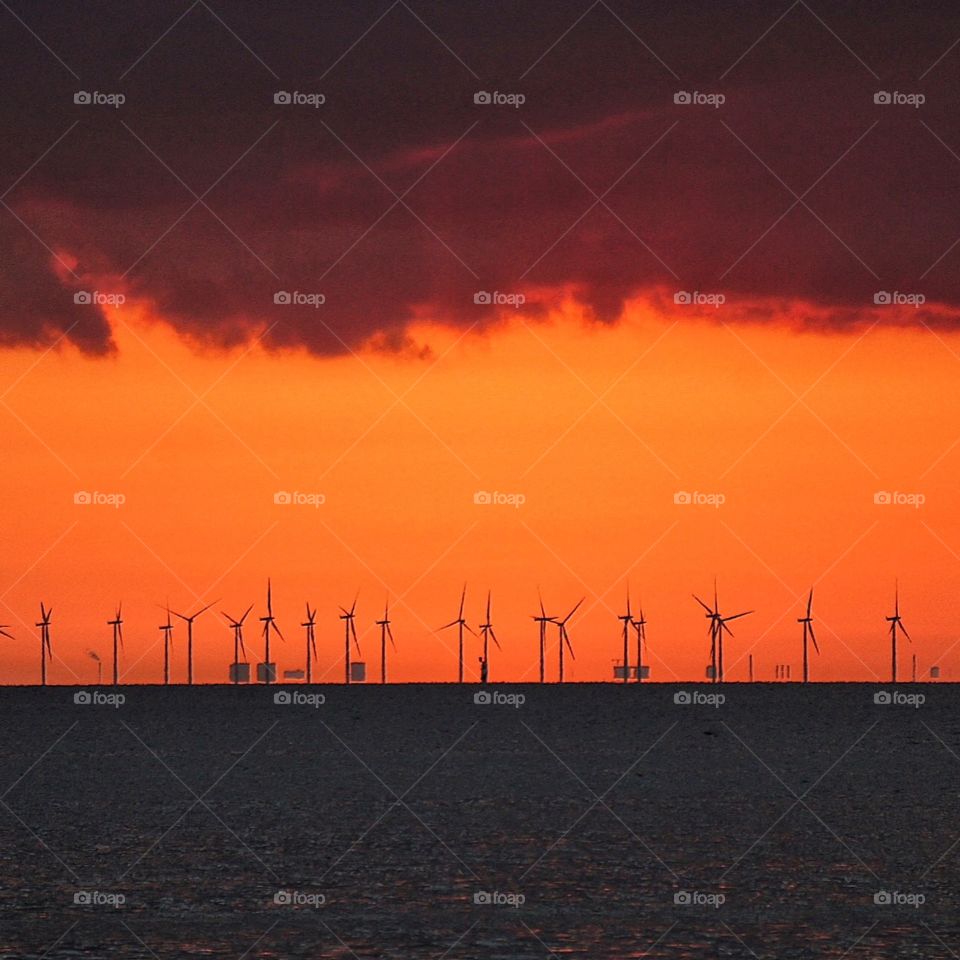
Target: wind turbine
718,623
45,650
627,619
486,631
167,630
542,620
93,655
237,627
641,627
385,632
189,622
349,629
895,624
269,622
807,622
310,624
565,637
461,624
117,624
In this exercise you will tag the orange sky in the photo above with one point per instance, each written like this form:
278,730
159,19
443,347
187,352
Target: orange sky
597,427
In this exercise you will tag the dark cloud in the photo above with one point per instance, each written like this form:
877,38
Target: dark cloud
401,198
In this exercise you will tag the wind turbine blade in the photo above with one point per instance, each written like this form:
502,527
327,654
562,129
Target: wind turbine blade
737,616
904,629
279,634
702,604
452,623
493,637
723,626
205,609
569,645
269,598
810,602
355,599
488,606
463,599
3,633
244,617
120,634
574,610
813,637
543,612
353,631
468,628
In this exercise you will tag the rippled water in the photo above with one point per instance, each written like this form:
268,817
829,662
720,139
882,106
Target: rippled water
592,821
